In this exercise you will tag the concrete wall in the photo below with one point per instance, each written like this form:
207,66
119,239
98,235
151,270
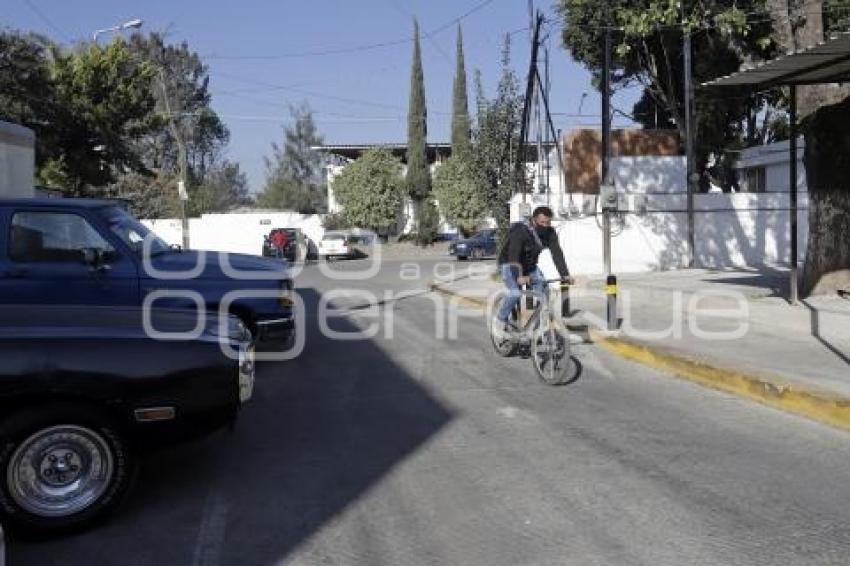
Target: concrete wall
17,161
237,233
732,230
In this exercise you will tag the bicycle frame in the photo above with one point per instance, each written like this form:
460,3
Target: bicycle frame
546,306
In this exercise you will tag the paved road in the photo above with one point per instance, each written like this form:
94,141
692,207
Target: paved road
408,449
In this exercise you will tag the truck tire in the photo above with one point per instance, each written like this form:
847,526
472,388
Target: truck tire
62,466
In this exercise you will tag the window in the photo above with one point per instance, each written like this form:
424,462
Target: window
756,181
132,232
53,236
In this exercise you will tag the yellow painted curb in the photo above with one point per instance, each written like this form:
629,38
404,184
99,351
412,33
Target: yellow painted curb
821,406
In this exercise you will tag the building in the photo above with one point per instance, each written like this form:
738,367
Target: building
767,168
643,162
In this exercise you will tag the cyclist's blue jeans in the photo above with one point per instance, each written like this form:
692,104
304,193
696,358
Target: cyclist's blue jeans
510,273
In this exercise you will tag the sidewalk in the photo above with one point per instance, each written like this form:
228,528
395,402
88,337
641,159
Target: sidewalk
732,330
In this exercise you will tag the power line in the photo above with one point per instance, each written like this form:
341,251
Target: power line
354,49
310,92
47,21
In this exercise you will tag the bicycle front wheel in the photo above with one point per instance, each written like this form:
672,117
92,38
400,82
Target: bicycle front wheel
550,353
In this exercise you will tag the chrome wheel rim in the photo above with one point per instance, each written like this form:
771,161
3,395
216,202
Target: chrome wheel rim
60,471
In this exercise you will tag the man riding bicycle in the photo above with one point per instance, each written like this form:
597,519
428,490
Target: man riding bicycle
518,261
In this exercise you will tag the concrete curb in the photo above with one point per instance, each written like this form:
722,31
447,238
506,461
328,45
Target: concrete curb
823,406
465,299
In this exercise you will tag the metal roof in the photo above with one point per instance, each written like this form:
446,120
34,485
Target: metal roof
822,63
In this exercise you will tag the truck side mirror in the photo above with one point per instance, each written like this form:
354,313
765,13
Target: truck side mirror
91,256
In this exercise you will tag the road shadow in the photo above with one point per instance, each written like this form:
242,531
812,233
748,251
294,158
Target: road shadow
814,316
765,281
320,433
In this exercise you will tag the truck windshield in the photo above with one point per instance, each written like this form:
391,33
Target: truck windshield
132,232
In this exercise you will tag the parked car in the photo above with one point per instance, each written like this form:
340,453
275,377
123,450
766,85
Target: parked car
478,246
297,247
84,389
343,245
93,252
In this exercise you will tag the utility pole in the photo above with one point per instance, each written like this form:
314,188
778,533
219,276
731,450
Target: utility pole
519,170
606,137
689,138
181,153
610,278
545,88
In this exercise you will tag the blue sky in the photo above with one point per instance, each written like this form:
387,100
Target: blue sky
265,55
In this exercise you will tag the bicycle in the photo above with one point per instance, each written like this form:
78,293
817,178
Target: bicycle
544,333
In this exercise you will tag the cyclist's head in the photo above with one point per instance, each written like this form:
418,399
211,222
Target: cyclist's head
542,216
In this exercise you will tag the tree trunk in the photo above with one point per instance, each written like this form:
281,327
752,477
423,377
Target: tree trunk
825,113
827,159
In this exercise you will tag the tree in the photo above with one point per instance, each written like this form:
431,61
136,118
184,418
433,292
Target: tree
371,191
461,142
85,107
418,178
294,174
183,78
225,187
649,53
496,139
457,185
825,114
149,196
27,94
460,194
104,100
427,222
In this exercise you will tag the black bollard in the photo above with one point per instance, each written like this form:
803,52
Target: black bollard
611,291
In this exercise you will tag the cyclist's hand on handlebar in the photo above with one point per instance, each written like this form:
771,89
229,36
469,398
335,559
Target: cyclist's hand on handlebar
568,280
523,280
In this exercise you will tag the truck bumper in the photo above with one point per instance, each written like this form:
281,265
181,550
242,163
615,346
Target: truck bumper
276,330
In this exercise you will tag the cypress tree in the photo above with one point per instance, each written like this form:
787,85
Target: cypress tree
461,144
418,178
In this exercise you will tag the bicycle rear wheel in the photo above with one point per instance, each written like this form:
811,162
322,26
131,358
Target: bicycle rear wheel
550,354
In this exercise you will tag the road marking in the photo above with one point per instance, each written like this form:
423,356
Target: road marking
210,540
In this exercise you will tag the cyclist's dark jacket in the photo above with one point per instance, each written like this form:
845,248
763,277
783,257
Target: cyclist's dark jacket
523,249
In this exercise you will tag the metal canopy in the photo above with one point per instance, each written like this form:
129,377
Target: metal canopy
822,63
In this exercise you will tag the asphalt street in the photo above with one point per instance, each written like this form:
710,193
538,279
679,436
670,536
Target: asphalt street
415,447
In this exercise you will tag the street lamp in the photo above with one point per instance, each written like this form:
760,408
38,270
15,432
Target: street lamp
130,24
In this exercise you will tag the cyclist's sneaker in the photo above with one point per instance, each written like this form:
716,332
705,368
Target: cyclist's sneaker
504,329
576,339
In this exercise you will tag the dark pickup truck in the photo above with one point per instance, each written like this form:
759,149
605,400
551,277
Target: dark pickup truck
84,389
93,252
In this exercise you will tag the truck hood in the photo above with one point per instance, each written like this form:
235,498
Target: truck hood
214,263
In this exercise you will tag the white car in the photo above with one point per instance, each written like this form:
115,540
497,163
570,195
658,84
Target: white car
338,244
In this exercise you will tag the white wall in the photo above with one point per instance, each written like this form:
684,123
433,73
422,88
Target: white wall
731,230
17,161
238,232
649,174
